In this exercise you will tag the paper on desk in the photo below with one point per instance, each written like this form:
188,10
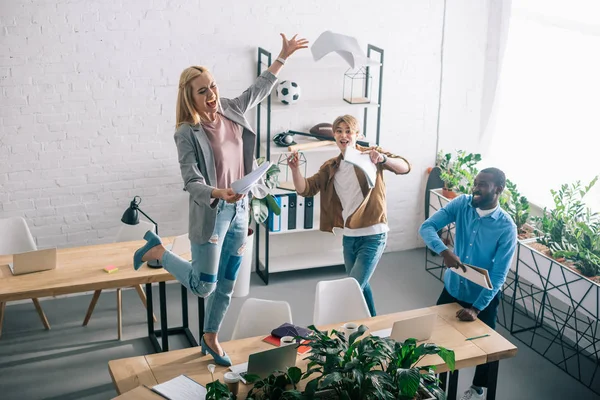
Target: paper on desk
346,46
181,388
475,274
243,186
382,333
362,161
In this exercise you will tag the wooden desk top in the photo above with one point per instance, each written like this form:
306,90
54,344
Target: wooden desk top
80,269
449,332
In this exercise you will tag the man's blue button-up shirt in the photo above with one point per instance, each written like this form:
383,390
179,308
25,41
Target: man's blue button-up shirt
487,242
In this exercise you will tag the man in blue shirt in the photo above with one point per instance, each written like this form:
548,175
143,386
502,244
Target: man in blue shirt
485,237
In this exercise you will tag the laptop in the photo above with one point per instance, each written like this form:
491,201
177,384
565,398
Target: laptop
181,245
265,362
419,328
33,261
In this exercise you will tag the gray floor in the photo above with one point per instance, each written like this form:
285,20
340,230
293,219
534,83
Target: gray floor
70,361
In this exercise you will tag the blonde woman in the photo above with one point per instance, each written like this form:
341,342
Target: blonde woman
347,202
216,147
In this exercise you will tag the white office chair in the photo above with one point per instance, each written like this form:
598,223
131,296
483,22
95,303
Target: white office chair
126,233
15,237
340,300
259,317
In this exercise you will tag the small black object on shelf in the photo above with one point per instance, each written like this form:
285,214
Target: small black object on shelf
131,217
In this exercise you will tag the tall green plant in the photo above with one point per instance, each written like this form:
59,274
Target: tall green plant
259,208
516,205
458,172
571,229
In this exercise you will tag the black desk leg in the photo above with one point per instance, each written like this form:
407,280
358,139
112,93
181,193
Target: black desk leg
492,380
443,380
453,385
200,317
150,318
165,331
164,325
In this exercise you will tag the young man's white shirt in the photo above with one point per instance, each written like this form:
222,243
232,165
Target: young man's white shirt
348,190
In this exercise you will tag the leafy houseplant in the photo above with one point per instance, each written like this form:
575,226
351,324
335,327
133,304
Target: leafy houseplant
276,386
571,230
457,173
406,377
372,367
259,208
517,207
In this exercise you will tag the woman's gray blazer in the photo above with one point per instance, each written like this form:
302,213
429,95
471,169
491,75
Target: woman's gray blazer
197,162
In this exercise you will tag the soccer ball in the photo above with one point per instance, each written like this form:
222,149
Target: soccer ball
288,92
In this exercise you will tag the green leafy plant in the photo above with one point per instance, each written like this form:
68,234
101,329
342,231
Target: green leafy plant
516,205
571,230
406,376
278,385
259,208
216,390
458,172
370,368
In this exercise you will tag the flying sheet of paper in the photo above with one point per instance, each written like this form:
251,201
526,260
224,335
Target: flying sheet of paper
181,388
346,46
362,161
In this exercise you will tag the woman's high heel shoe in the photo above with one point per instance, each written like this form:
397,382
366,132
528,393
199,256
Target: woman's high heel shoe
223,360
151,240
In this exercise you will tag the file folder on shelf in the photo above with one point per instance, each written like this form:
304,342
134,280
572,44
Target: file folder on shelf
283,198
275,220
300,212
292,207
308,212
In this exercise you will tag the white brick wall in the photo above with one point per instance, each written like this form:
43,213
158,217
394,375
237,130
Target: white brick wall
87,97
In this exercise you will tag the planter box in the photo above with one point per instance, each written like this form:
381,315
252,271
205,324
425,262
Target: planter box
556,312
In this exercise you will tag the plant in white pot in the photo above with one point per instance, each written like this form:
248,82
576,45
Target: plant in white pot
261,204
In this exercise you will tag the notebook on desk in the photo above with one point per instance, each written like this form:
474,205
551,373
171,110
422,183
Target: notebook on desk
33,261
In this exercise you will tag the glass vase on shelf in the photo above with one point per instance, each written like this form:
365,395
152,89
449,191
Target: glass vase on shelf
357,86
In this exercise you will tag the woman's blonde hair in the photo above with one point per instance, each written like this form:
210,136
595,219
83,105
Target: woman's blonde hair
185,110
349,120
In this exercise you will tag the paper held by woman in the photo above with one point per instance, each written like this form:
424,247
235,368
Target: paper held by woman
243,186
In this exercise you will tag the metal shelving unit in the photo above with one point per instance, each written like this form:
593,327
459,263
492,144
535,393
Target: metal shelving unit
264,58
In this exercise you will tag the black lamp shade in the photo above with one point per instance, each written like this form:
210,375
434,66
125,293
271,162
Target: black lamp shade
130,217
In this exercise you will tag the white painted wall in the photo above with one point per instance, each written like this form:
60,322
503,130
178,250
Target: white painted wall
87,104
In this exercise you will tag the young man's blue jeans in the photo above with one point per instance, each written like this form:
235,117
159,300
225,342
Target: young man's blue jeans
361,255
215,264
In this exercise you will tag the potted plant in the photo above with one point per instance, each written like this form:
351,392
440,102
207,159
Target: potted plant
458,172
371,367
570,233
260,206
259,210
517,206
278,385
557,277
407,377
